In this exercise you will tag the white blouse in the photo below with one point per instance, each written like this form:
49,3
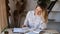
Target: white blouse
33,21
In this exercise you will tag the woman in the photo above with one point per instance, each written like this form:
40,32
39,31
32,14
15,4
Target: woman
38,18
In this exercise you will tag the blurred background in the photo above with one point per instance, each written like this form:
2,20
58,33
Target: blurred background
13,13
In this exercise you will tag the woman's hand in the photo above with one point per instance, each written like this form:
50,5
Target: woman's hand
24,26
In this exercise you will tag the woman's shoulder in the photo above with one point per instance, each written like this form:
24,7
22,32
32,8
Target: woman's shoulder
30,12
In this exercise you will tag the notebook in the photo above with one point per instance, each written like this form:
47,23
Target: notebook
22,30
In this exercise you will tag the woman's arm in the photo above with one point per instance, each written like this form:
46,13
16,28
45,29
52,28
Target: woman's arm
43,26
25,23
26,20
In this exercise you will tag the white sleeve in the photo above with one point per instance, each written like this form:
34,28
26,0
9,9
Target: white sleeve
42,25
26,19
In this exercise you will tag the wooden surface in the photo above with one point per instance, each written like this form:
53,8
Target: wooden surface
3,16
46,31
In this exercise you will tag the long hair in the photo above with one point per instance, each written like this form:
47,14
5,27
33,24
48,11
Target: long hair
45,15
43,6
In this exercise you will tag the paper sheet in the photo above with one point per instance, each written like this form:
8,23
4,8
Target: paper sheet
37,31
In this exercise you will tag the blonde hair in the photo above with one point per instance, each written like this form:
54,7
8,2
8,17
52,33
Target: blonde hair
45,15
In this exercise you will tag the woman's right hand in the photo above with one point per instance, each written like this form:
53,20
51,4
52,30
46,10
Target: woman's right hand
24,26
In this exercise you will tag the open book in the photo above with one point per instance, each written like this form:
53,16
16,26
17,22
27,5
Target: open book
37,31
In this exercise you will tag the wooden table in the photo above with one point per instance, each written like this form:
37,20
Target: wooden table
46,31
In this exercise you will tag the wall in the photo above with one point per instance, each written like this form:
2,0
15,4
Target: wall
31,4
55,15
3,16
56,6
0,17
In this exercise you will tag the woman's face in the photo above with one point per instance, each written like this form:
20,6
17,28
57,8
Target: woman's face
38,10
